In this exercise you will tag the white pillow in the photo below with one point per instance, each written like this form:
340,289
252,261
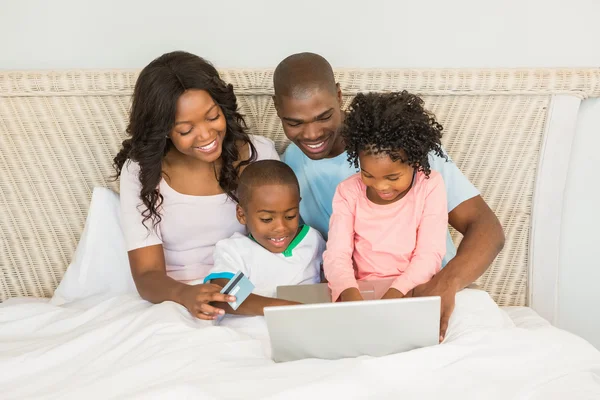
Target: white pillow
100,264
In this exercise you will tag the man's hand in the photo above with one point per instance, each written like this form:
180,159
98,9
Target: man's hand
483,239
447,292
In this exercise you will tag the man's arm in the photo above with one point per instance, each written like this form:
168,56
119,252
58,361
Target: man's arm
483,239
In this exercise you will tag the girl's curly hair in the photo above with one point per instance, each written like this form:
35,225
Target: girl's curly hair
394,123
152,117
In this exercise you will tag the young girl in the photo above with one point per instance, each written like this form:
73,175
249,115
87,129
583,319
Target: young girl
390,219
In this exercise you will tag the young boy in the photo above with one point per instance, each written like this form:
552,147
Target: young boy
277,250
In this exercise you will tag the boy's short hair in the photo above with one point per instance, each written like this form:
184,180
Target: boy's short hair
264,172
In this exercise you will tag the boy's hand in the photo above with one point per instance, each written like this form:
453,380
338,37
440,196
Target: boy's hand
351,294
196,298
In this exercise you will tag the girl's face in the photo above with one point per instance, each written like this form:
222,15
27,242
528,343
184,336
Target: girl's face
199,126
387,181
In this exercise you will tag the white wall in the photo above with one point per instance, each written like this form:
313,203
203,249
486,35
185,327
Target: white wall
243,33
579,274
40,34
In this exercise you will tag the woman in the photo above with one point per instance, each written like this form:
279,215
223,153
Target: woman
179,171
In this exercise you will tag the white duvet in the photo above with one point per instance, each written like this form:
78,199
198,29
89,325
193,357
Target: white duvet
123,347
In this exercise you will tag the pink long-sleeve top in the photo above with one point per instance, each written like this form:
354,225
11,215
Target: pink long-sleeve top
405,240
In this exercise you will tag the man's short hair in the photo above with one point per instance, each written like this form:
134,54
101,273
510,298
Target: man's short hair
300,74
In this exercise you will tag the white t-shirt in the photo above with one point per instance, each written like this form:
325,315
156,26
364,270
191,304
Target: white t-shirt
299,264
190,225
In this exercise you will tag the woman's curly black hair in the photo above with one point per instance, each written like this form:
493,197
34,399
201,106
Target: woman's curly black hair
392,123
152,118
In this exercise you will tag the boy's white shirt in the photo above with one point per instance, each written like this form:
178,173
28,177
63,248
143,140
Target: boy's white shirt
299,264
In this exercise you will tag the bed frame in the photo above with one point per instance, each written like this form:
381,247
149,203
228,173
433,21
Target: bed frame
509,131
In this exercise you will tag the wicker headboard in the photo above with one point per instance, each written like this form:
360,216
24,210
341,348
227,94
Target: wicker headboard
60,130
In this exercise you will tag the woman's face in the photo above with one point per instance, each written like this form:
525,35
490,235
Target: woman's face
199,126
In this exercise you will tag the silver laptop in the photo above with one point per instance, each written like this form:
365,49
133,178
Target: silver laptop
320,293
352,329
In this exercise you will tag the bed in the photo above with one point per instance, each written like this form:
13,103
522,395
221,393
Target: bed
95,338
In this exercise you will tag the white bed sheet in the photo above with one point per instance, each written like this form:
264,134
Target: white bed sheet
525,317
123,347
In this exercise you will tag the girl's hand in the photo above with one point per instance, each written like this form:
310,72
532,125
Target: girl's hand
392,294
351,294
196,299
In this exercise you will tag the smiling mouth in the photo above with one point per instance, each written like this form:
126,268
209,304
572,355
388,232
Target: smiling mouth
386,195
316,147
278,241
209,147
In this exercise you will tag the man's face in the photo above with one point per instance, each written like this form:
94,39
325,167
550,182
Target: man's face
313,122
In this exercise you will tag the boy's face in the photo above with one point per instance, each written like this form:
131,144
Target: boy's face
386,180
272,215
313,122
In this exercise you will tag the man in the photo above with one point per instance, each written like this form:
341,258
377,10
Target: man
308,102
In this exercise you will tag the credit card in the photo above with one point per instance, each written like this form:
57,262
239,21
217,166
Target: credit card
240,287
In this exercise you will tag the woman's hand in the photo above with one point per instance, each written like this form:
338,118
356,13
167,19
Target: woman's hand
196,299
